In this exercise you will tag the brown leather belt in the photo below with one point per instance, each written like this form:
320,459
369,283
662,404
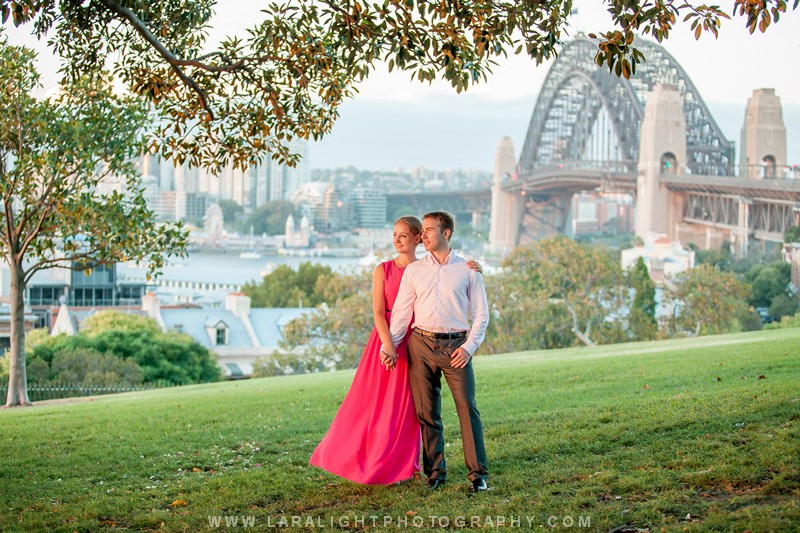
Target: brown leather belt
434,335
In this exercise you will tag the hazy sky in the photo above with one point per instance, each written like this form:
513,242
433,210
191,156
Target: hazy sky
394,122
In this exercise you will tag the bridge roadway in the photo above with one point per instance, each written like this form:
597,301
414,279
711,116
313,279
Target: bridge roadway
462,203
773,204
768,190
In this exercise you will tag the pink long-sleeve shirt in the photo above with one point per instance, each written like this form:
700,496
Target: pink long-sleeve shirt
442,298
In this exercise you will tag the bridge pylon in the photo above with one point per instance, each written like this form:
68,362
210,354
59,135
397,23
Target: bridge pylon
507,207
763,148
662,150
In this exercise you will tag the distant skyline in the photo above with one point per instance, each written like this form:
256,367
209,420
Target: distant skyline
396,123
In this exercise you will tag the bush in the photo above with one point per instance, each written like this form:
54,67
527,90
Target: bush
786,322
781,306
281,364
750,320
37,370
169,357
767,283
92,368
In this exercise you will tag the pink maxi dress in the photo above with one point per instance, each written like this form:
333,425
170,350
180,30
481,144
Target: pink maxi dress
374,438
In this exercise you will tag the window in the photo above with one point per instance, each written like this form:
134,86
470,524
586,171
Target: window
45,295
222,335
768,167
669,164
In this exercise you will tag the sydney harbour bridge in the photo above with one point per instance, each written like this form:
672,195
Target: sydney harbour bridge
651,136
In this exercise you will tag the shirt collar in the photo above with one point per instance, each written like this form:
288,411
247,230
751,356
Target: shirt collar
450,258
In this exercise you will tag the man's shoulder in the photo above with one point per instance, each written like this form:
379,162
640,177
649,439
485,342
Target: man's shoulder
459,262
416,266
457,259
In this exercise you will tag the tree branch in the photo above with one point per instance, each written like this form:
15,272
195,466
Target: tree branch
34,234
576,329
168,56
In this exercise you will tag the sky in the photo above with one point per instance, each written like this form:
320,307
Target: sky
394,122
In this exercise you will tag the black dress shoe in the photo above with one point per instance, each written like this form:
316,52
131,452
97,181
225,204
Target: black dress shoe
435,483
479,485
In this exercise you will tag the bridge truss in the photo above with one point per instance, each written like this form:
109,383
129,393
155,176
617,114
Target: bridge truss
765,219
586,112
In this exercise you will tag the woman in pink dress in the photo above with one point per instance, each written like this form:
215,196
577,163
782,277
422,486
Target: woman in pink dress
375,437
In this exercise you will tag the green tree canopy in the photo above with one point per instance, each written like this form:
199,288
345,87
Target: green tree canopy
103,321
792,234
334,335
270,218
287,287
766,285
93,369
557,277
642,316
230,211
162,356
768,281
707,301
782,305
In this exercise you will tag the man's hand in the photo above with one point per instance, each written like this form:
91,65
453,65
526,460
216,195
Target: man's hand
459,358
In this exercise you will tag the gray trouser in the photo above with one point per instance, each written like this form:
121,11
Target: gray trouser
428,359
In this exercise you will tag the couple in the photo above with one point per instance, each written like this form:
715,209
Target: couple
375,437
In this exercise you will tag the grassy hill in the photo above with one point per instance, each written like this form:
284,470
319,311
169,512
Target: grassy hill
698,434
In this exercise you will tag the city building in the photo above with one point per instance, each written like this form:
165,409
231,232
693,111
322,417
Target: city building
31,321
370,207
88,287
297,237
335,213
173,206
285,180
663,257
595,212
179,192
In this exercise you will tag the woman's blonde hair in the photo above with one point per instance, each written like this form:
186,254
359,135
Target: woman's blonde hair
412,222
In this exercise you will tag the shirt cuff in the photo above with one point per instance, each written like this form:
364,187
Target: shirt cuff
470,347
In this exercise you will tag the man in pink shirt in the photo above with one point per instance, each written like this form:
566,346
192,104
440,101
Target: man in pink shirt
442,294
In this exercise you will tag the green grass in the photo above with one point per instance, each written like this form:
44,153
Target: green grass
683,435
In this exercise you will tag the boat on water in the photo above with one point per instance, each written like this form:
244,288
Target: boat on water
250,253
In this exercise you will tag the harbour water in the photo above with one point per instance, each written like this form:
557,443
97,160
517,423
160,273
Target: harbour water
229,268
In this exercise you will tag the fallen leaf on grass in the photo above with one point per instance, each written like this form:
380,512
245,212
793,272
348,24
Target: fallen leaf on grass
178,503
411,513
646,386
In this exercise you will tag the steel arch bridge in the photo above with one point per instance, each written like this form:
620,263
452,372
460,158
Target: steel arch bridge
585,134
586,113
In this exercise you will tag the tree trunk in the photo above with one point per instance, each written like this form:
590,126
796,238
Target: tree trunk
17,381
583,337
